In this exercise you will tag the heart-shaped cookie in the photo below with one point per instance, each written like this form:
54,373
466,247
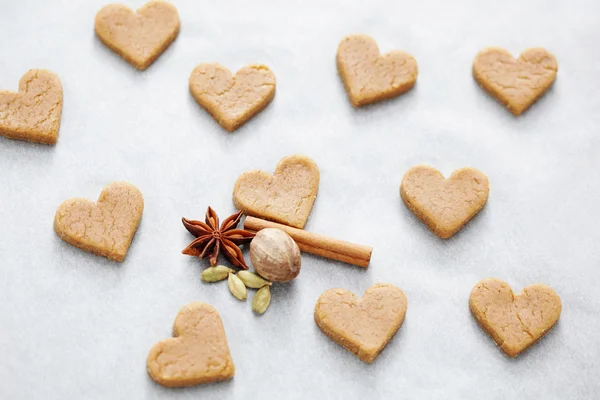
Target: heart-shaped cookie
232,99
369,76
197,353
362,326
286,196
105,228
140,37
515,83
33,114
515,322
444,205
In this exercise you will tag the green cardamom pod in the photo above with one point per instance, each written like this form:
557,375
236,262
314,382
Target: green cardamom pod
237,287
252,280
262,299
215,274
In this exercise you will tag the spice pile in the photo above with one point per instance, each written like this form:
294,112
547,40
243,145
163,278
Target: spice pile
274,254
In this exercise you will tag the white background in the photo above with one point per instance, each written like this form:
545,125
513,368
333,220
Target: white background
77,326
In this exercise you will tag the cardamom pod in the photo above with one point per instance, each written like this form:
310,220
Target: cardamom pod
252,280
237,287
214,274
262,299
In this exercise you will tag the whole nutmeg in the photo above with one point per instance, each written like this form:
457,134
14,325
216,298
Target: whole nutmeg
275,255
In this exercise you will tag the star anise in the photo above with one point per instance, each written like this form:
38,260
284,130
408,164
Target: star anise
212,239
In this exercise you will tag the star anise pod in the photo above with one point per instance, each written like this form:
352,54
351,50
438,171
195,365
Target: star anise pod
212,239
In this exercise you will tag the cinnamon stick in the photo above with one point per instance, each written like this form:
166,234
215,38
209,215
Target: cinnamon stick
320,245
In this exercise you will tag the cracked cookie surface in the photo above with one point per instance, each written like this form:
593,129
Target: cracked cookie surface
197,353
105,228
515,83
232,99
286,197
362,326
515,322
369,76
444,205
140,37
33,114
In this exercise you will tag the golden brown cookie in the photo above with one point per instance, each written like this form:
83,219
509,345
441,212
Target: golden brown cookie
138,37
197,353
362,326
286,196
515,83
232,99
444,205
33,114
369,76
105,228
515,322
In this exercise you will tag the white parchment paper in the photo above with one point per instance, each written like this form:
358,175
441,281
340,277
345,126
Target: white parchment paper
77,326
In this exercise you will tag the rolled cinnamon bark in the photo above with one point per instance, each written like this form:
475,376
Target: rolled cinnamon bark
320,245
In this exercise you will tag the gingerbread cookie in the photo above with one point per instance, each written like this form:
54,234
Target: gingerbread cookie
515,83
444,205
363,326
232,99
140,37
369,76
105,228
286,196
33,114
515,322
197,353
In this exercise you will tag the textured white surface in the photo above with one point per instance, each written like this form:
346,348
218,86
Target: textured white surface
77,326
